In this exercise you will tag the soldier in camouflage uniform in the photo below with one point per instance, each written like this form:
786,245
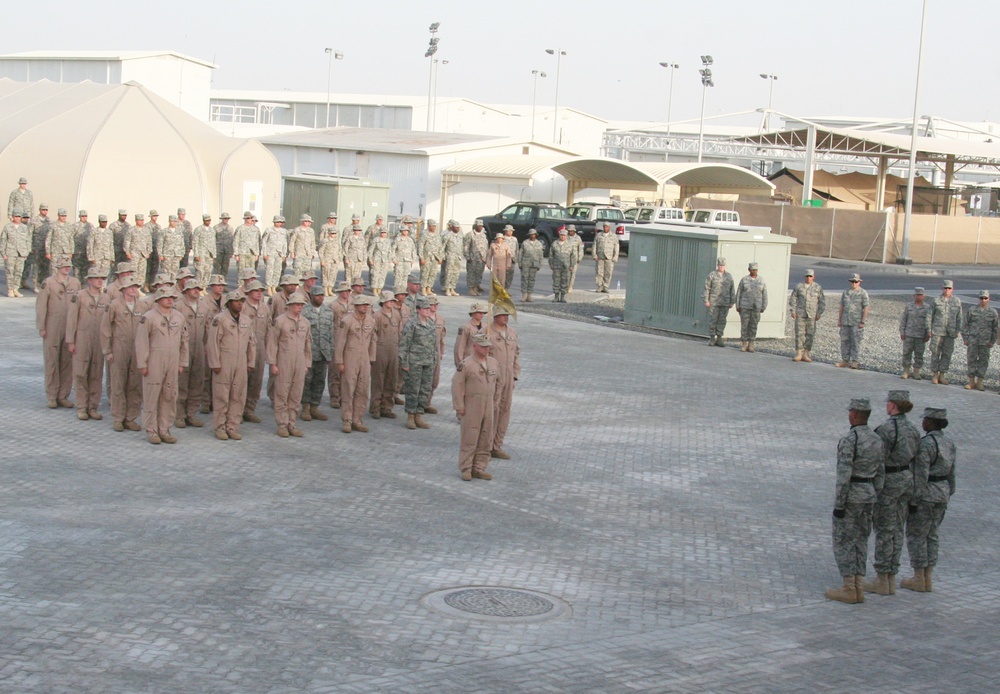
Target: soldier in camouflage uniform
324,230
119,228
171,246
246,246
851,321
529,259
513,247
979,334
901,442
355,252
373,230
155,234
37,263
187,232
605,251
138,244
100,246
81,239
719,297
21,198
224,245
751,301
331,256
946,324
574,238
59,242
860,477
15,247
431,252
379,260
933,487
915,333
404,255
807,303
562,259
454,254
302,245
204,249
418,354
320,317
349,228
274,250
475,247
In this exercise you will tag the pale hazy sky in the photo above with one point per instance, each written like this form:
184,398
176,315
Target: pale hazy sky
851,57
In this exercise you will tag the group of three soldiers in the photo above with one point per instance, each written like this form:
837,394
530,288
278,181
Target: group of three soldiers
900,483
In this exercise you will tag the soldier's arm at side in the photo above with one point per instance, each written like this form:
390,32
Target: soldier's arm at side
845,467
212,346
458,390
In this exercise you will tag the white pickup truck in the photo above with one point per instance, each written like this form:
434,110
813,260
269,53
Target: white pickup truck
713,217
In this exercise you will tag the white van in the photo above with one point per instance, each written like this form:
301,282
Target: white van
658,215
713,217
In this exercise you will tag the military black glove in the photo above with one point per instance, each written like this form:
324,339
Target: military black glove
912,509
838,513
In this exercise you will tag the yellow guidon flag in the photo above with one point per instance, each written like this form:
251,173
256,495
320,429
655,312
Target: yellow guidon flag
500,297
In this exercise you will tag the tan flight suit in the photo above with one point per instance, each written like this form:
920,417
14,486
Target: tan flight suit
161,347
232,347
260,317
83,329
463,342
354,347
212,309
289,347
506,351
340,309
499,260
118,328
442,331
191,391
385,370
276,306
473,390
51,309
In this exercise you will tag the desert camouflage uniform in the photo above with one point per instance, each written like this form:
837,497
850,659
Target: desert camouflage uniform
807,302
431,251
321,329
605,252
204,250
980,334
331,256
562,259
751,301
475,247
454,254
246,248
853,303
860,476
224,248
302,247
15,247
37,263
946,324
380,259
577,242
274,250
720,292
355,254
530,261
138,245
933,486
914,329
513,246
404,255
418,354
901,442
20,198
171,249
100,249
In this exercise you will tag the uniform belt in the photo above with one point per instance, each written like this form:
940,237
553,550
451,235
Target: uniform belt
861,480
938,478
896,468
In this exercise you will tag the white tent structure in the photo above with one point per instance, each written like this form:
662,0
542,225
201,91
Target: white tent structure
104,147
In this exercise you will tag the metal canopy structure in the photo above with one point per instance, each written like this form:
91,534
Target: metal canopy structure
883,149
597,172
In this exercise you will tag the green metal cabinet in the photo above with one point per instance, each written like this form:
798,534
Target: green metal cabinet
317,196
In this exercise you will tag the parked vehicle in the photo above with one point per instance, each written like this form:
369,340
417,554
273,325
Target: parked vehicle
547,217
651,215
713,217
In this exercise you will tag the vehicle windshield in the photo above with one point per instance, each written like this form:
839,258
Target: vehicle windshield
578,212
631,213
552,213
611,214
645,215
703,216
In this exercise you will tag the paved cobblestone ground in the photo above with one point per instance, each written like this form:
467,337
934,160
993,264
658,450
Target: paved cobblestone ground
676,497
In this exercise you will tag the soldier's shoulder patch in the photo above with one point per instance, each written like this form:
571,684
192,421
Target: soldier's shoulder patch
73,299
142,319
215,321
460,366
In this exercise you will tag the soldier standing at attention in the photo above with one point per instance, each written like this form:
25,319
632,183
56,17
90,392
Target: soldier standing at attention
191,393
324,231
719,297
807,304
355,253
119,229
20,197
289,352
506,350
946,324
274,250
562,259
379,260
530,261
901,442
224,245
331,255
259,315
155,235
81,241
138,245
751,301
475,248
289,286
118,330
161,347
59,242
320,317
51,310
574,238
231,352
123,273
454,253
418,354
441,331
354,352
187,232
860,476
15,247
499,259
306,284
373,230
83,340
915,333
933,487
605,250
473,392
302,245
463,341
38,228
404,255
431,252
340,307
246,246
979,334
513,247
171,246
349,228
385,369
204,248
851,321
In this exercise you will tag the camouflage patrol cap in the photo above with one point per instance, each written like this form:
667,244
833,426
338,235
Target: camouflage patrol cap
22,180
206,216
947,284
379,218
43,206
432,222
413,278
355,227
358,281
173,218
482,340
809,273
181,210
860,405
317,290
309,275
532,232
918,291
154,213
452,223
407,219
17,212
386,296
247,215
82,213
721,261
423,302
193,284
131,283
163,278
140,217
254,218
62,262
61,212
432,299
247,273
477,308
225,215
355,218
216,280
295,299
124,267
569,227
501,311
102,218
95,273
184,273
342,286
332,215
935,413
121,211
478,223
288,279
984,294
305,218
360,300
753,266
854,278
383,230
277,218
898,396
166,293
499,235
254,285
235,295
508,227
562,231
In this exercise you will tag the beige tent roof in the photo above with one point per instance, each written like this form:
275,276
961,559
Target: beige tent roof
102,147
853,188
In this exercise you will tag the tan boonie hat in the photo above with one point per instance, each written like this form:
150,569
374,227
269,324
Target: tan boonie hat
63,262
360,299
358,282
254,285
95,273
248,273
235,295
482,340
342,286
305,218
385,296
124,267
184,273
310,275
295,299
508,227
131,283
501,311
166,293
477,308
225,215
860,404
216,280
288,279
163,278
193,284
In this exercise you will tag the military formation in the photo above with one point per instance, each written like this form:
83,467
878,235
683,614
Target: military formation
897,482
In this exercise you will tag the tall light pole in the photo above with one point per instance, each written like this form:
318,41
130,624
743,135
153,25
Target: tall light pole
770,97
706,82
432,48
534,100
904,257
558,53
329,72
436,63
670,93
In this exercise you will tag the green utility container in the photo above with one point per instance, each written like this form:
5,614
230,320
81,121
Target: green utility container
317,196
668,265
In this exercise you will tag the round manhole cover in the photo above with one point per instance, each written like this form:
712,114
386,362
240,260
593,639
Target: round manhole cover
496,604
